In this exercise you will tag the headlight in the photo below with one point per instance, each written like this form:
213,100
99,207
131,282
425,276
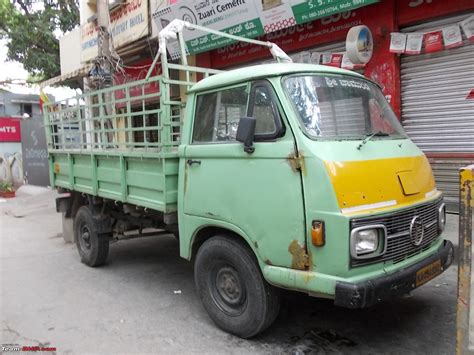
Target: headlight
368,241
441,217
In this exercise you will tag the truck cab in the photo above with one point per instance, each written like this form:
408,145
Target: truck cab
333,199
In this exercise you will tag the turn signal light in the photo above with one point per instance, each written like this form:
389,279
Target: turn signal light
317,233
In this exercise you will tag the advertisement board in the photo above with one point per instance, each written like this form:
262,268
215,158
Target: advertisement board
10,129
412,11
34,152
243,18
128,22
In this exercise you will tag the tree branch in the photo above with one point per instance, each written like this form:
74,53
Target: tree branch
24,7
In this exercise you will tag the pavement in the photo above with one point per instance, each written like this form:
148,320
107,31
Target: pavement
143,301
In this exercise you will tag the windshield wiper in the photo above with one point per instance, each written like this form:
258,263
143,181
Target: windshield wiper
370,136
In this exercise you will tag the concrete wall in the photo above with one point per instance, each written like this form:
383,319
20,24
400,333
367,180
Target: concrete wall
12,104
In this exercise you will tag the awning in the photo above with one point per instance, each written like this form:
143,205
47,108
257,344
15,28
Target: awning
78,73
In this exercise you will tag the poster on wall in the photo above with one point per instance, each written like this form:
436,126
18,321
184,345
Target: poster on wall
414,43
275,15
242,18
452,36
468,27
332,59
398,42
433,41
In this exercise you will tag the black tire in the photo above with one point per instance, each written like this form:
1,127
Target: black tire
232,289
93,247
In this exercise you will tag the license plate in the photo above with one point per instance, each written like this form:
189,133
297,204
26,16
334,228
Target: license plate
428,273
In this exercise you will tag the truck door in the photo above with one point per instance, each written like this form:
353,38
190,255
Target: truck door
259,194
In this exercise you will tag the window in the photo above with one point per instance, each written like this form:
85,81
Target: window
27,108
339,106
263,111
218,113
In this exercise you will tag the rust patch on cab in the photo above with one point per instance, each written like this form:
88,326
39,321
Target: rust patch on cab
300,260
296,161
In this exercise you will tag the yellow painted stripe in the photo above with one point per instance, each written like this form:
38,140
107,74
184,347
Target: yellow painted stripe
375,184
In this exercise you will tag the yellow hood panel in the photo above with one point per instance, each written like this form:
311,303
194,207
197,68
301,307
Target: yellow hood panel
375,184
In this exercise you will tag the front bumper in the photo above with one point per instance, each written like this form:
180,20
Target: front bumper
368,293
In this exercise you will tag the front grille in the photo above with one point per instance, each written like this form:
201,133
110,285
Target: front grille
399,246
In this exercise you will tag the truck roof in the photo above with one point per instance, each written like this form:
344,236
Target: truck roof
264,71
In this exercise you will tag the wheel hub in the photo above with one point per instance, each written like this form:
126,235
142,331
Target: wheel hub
228,291
228,285
85,237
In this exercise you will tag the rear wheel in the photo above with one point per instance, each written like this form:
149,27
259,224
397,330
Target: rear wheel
92,246
232,288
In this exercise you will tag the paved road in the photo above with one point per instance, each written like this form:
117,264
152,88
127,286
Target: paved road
144,301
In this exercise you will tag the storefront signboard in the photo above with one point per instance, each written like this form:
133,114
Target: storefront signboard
413,11
243,18
10,129
128,23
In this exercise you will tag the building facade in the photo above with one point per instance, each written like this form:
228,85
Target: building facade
14,107
23,152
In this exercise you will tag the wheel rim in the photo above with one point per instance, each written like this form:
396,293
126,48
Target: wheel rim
85,238
228,290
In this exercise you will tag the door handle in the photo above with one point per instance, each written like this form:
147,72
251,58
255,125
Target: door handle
191,162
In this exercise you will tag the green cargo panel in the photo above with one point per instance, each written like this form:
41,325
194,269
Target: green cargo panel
147,182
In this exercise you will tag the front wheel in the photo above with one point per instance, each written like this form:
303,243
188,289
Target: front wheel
93,247
232,288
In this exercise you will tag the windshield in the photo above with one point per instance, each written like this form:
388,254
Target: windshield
336,106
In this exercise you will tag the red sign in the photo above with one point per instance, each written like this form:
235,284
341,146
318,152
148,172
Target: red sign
134,72
411,11
10,129
433,41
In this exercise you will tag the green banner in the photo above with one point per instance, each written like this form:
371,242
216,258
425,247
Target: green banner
249,29
245,18
313,9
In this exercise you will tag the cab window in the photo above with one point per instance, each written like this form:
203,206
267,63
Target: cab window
218,113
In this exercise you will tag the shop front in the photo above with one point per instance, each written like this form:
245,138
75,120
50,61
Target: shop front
437,86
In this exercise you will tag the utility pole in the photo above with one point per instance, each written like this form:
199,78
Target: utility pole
104,60
104,36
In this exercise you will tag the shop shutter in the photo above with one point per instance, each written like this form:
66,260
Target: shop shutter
436,113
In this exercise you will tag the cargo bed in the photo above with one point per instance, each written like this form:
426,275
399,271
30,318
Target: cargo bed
121,142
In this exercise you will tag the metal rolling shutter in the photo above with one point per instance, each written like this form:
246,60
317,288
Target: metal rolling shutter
435,112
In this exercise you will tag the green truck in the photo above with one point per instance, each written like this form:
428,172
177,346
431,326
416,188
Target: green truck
284,175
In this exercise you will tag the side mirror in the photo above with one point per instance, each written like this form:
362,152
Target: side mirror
246,133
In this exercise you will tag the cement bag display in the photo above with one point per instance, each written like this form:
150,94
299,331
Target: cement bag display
16,168
5,172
